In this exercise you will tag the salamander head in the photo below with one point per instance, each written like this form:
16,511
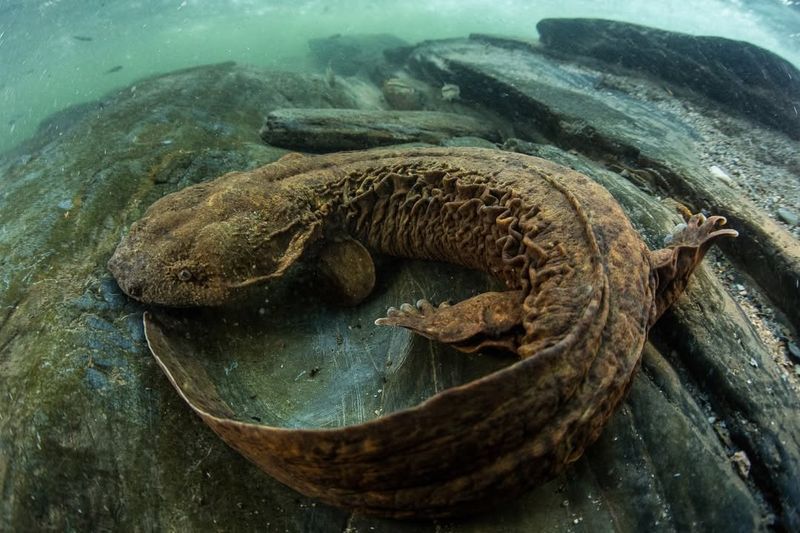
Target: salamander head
686,247
199,246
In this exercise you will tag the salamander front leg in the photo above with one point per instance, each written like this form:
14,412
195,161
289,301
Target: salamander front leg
488,320
348,270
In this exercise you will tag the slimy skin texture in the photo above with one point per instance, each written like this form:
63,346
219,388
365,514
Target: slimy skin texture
583,290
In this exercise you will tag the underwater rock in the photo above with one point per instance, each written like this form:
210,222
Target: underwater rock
402,95
76,379
329,130
347,55
61,121
720,175
743,77
794,351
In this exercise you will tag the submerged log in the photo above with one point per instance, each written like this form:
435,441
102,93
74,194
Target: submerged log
326,130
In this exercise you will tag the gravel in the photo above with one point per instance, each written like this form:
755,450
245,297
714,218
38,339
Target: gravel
777,335
761,163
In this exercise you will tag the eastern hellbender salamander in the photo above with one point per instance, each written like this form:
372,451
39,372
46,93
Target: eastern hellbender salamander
583,290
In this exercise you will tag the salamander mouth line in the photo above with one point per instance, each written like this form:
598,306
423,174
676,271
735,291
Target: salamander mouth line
251,281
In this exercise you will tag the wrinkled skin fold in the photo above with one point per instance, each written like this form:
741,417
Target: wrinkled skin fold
583,290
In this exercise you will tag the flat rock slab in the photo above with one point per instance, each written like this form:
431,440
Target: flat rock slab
743,77
330,130
546,100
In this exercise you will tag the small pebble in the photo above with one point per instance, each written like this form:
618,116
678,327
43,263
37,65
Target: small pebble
720,175
788,216
794,351
742,463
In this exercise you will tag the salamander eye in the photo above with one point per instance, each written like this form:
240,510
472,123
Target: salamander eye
184,275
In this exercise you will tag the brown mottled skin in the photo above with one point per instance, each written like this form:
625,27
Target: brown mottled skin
583,292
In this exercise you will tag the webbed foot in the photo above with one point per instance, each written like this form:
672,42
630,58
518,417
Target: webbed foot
488,320
698,230
684,251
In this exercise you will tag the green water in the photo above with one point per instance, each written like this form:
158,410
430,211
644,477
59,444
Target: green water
47,61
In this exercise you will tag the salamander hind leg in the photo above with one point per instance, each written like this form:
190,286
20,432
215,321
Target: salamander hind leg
489,320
